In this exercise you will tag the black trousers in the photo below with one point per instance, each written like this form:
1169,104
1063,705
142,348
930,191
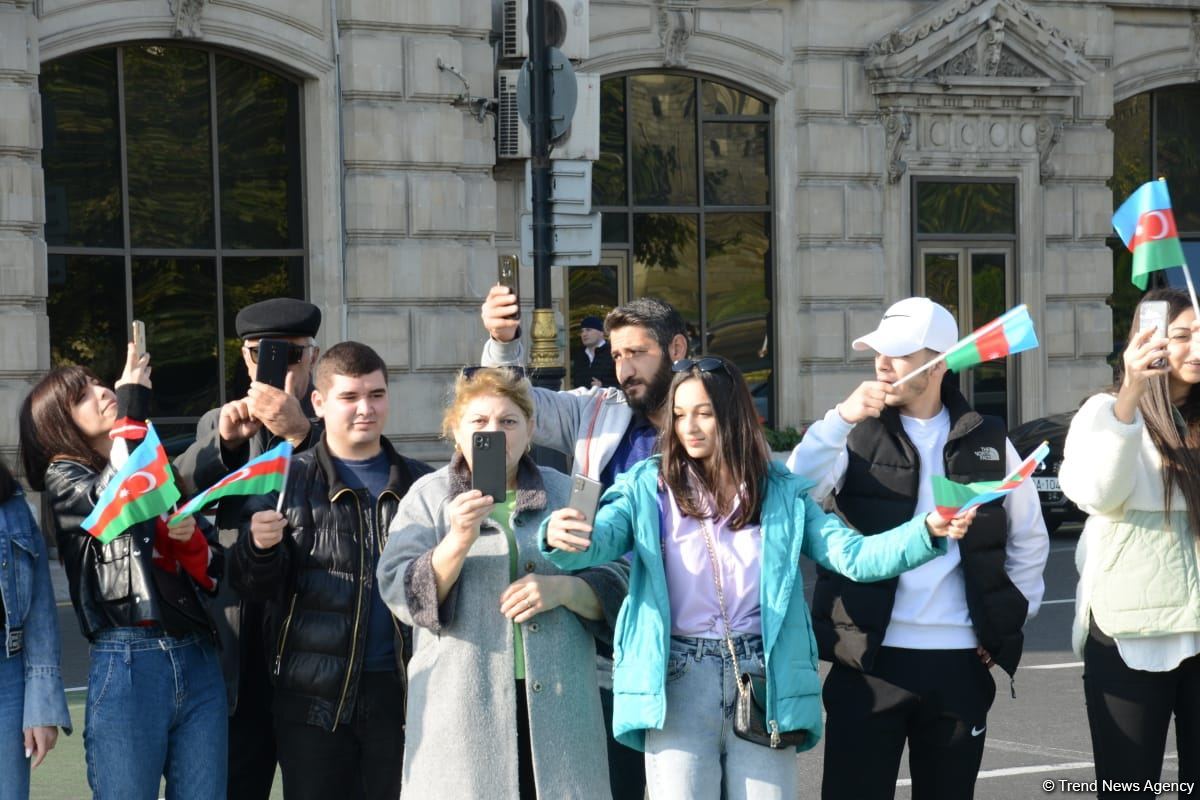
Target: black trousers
1129,711
935,700
362,760
251,731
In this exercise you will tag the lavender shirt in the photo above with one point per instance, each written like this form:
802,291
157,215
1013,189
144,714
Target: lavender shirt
690,587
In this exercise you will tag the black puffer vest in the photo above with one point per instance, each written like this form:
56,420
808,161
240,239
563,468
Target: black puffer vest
879,492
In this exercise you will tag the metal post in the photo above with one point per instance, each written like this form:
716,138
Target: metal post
545,358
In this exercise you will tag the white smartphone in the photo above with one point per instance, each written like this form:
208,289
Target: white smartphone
139,337
1153,314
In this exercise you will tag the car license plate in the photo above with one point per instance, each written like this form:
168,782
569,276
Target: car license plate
1046,484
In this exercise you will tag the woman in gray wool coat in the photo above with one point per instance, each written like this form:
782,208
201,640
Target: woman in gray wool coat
502,694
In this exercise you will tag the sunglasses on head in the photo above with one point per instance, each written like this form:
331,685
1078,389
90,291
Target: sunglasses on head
706,364
469,372
295,352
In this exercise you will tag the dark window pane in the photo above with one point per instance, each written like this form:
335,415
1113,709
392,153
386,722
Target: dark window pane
177,299
258,133
246,281
608,173
1177,131
81,154
941,279
664,139
592,292
735,164
1130,125
666,264
86,306
989,381
614,227
737,267
727,101
169,147
966,207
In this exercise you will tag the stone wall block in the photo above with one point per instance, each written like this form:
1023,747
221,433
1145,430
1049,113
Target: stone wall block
446,338
1060,211
1077,270
431,270
1058,334
425,80
1075,381
861,321
377,201
18,40
864,212
373,62
839,150
819,85
453,205
417,134
22,197
1084,152
417,403
22,270
820,211
415,15
19,331
822,334
838,272
1093,211
386,330
1094,333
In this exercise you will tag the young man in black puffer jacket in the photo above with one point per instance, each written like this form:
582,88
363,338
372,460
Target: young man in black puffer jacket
336,654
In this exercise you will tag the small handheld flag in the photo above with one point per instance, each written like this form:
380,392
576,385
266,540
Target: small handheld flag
264,474
1008,334
954,499
1146,224
140,490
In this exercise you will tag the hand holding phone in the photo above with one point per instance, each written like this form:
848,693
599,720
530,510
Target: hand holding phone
507,276
1153,314
272,362
488,464
138,337
585,498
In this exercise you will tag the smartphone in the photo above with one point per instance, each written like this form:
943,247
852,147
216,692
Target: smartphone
139,337
585,497
507,275
1153,314
488,473
272,362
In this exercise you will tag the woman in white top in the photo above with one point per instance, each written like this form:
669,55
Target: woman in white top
1132,461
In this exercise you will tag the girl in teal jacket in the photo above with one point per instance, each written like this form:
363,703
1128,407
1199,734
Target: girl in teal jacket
714,498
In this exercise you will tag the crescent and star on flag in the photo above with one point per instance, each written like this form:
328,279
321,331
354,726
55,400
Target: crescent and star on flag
128,488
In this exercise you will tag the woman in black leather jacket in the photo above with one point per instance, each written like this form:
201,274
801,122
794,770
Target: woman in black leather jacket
156,698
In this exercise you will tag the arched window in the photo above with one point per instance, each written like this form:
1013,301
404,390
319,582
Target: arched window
683,183
1155,135
174,196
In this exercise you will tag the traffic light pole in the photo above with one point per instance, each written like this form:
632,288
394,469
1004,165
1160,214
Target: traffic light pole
545,358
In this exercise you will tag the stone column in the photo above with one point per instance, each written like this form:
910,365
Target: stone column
24,328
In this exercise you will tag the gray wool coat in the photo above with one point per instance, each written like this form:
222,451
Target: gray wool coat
461,730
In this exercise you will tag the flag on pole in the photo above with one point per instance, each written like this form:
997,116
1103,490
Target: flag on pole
1146,225
264,474
1006,335
953,499
140,490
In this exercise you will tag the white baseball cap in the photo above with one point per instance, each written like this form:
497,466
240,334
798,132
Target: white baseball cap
910,325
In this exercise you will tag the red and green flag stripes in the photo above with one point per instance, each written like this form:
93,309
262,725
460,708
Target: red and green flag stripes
1006,335
953,499
141,489
1146,225
262,475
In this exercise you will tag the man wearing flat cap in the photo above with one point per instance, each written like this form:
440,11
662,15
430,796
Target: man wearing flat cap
593,365
226,438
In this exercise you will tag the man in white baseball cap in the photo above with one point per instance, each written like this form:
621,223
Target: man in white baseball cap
911,655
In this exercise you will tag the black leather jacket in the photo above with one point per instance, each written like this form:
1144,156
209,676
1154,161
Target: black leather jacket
112,585
317,583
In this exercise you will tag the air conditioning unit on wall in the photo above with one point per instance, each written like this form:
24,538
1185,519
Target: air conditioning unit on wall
582,140
567,28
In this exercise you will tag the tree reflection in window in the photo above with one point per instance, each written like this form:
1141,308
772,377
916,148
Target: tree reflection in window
193,249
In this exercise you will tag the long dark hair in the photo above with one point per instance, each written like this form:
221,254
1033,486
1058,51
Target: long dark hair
1180,450
47,431
740,455
8,484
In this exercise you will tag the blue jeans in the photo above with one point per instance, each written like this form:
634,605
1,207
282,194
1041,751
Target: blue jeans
697,753
156,707
13,764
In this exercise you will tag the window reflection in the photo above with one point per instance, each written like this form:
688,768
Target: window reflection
737,268
735,164
666,264
962,207
246,281
664,139
86,306
722,100
608,173
989,381
1177,128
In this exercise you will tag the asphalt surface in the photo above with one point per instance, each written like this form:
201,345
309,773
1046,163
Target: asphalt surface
1041,736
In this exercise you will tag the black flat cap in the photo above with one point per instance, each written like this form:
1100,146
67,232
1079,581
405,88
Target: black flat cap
279,316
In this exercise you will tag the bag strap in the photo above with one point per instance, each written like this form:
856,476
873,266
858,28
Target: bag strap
709,536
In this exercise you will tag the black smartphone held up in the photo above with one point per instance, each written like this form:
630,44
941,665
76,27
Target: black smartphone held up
272,362
488,473
507,275
585,497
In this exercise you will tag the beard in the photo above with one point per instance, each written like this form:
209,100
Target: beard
654,393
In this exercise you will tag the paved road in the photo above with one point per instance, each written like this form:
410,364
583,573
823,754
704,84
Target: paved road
1041,735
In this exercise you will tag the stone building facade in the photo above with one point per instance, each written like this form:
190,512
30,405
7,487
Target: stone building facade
877,114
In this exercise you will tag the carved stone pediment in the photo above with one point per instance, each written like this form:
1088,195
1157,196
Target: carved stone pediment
970,46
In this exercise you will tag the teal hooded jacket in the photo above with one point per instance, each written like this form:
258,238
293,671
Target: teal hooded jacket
628,521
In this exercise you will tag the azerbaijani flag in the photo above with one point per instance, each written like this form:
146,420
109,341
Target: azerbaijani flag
141,489
1146,225
264,474
1006,335
953,499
